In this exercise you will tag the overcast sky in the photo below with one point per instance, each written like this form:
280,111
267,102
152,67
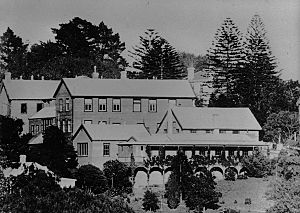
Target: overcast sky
189,25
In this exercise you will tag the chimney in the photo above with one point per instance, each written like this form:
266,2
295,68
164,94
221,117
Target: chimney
32,77
22,158
95,74
42,77
7,76
169,120
21,77
124,74
191,73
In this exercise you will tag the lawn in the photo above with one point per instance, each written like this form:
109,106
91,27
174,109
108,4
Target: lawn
239,190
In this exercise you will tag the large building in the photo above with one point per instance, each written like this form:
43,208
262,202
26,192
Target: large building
23,98
118,101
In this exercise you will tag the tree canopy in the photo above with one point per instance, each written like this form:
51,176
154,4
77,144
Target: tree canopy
156,58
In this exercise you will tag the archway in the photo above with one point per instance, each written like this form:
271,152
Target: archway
156,177
140,177
217,172
200,170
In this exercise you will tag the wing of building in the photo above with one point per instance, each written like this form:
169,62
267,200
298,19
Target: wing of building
23,98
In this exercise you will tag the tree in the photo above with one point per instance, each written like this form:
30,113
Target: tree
81,39
91,178
37,191
201,193
281,125
56,152
12,143
226,58
230,174
117,174
13,54
156,58
198,62
257,164
150,201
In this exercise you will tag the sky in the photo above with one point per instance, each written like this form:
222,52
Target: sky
188,25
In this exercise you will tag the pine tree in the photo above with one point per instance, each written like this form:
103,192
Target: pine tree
260,69
156,58
226,58
13,53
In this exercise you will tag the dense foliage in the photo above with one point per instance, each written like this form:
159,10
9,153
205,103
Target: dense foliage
150,201
38,191
12,143
117,174
156,58
91,178
56,152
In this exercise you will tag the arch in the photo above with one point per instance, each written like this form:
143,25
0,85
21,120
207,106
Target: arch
156,169
201,169
233,168
140,169
216,169
168,169
243,170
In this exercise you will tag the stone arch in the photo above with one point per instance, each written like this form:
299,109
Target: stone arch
140,169
233,168
158,169
168,169
243,170
201,169
216,169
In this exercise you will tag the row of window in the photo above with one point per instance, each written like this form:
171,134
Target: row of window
221,131
82,149
35,129
64,106
65,125
39,106
116,105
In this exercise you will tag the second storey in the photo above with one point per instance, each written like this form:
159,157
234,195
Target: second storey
118,101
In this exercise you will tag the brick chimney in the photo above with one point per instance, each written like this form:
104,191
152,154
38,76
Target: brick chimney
32,77
124,74
95,74
7,76
191,73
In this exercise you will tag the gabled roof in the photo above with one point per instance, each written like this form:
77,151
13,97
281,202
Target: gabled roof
102,132
38,139
30,89
46,112
215,118
196,139
81,87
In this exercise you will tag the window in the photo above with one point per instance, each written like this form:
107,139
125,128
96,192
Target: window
60,105
24,108
87,122
102,122
69,126
106,149
37,127
222,131
116,105
43,127
88,105
208,131
165,131
137,105
82,149
202,152
142,148
67,104
32,129
218,152
245,153
64,126
102,105
193,131
39,106
152,105
116,123
235,132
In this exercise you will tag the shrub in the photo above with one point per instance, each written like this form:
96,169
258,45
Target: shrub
230,174
150,201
